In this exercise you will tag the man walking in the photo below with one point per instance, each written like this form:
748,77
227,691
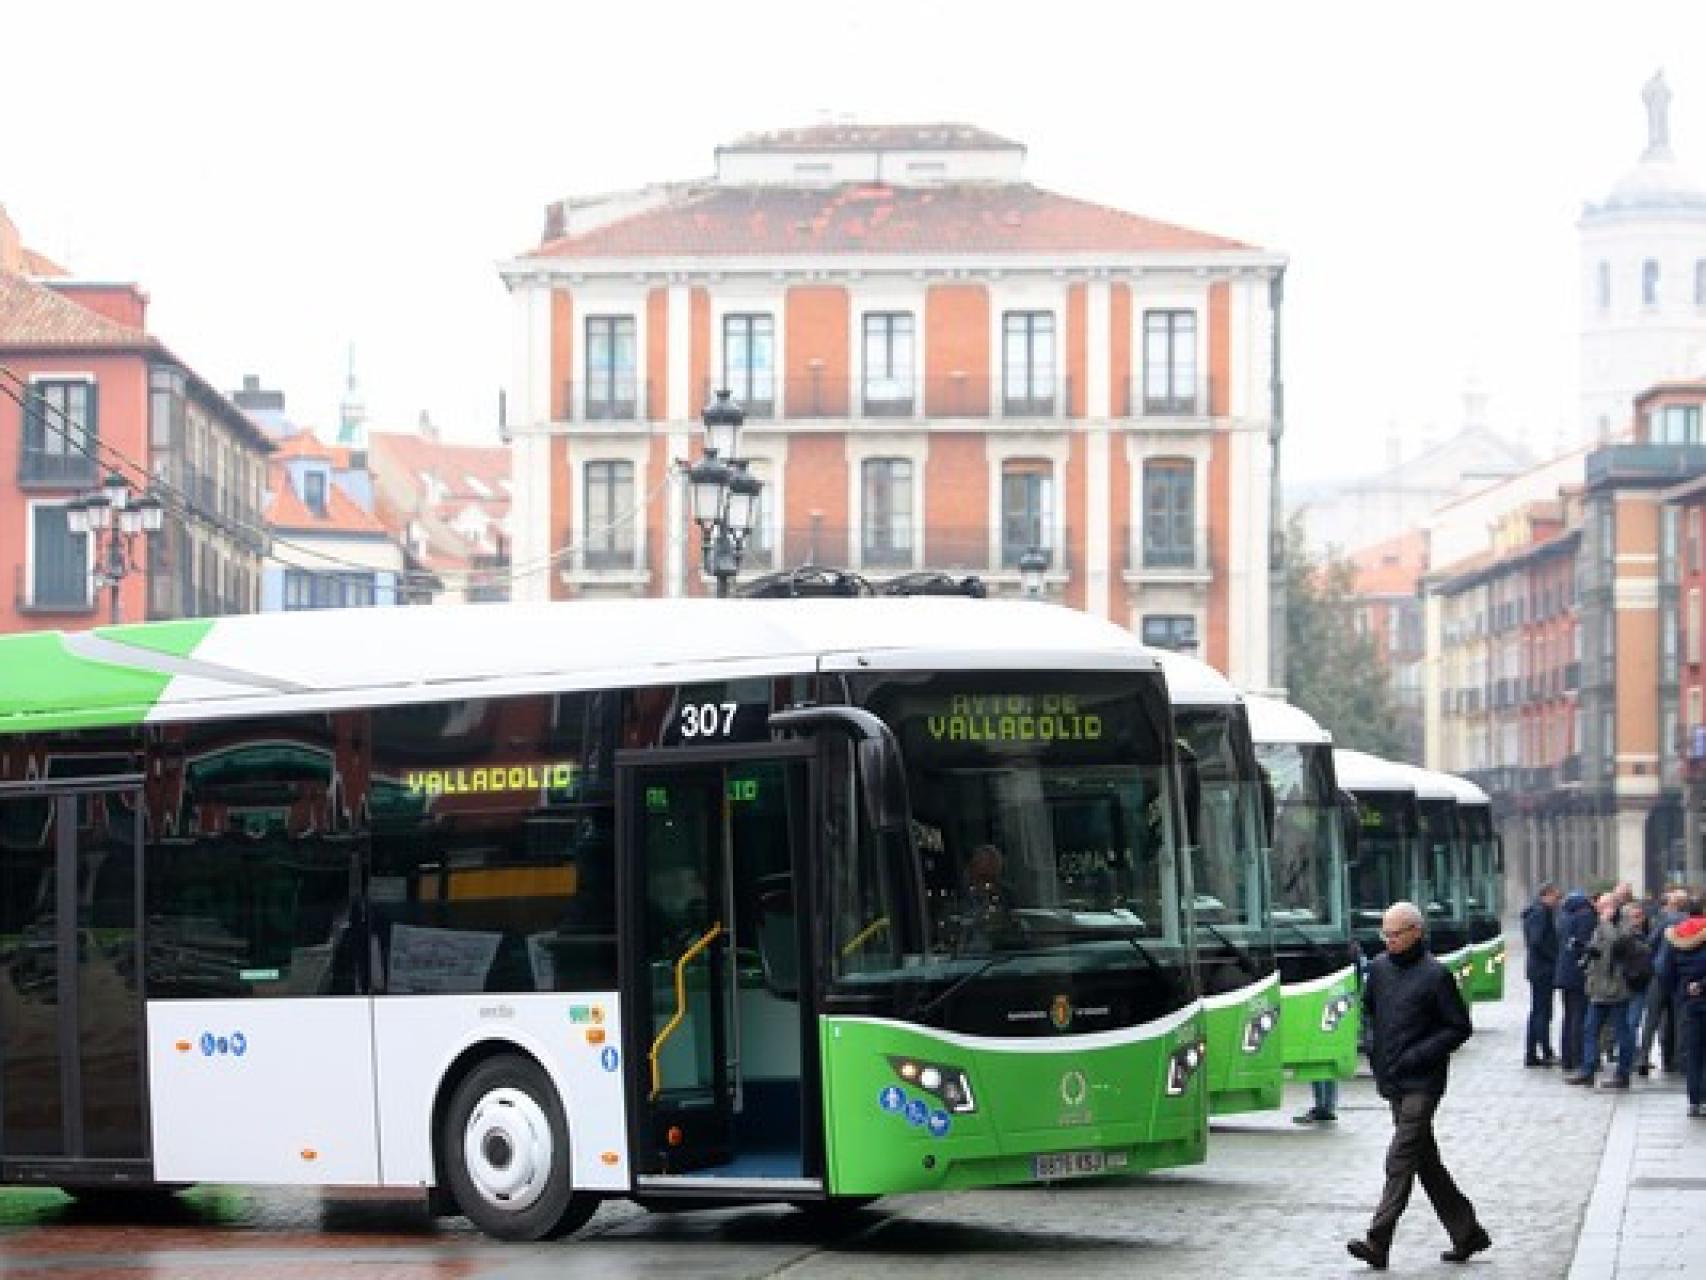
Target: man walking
1418,1020
1540,939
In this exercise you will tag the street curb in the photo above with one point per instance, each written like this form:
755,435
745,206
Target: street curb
1597,1244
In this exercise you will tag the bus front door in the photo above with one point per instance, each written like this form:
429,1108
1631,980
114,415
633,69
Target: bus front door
713,850
71,1073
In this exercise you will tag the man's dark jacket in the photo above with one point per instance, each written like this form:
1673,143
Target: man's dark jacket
1418,1020
1540,937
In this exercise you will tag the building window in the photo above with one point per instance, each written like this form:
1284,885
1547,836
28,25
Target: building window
888,364
1169,362
60,434
1694,622
610,363
59,562
303,589
1169,513
1028,362
314,491
1691,544
166,389
886,507
1605,286
1650,283
749,362
1170,631
1027,508
607,539
1674,424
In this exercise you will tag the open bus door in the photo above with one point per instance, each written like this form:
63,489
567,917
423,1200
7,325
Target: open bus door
715,849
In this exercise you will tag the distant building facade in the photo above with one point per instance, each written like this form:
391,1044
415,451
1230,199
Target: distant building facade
1389,610
942,366
1643,280
329,549
88,390
448,505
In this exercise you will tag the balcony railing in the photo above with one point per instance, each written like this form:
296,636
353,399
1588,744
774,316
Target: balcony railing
1200,399
74,598
1162,559
619,399
39,469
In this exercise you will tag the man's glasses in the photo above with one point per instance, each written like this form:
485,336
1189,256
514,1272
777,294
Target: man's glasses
1399,932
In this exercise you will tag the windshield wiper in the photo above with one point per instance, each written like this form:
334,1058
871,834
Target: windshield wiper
1315,944
941,996
1078,931
1246,961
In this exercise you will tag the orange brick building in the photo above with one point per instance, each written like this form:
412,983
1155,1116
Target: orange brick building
942,366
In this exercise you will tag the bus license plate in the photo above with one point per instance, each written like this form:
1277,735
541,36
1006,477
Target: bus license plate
1069,1164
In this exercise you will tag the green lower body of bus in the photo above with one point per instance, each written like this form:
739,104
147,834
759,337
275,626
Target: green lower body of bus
910,1109
1488,983
1246,1069
1319,1025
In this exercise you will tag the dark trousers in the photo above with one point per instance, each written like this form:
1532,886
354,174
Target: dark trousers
1413,1154
1615,1016
1570,1038
1693,1039
1539,1044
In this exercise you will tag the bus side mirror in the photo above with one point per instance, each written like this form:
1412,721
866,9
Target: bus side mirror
882,785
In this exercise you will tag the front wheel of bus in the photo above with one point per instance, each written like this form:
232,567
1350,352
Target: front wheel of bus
505,1152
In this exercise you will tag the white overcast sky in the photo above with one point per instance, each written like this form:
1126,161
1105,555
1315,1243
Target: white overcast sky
288,179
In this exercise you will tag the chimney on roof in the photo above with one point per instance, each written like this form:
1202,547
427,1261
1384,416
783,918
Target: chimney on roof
11,244
254,398
427,428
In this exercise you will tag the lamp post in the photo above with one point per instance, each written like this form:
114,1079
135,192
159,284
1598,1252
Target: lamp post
1033,566
723,493
114,515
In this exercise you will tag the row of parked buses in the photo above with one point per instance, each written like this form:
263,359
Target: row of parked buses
692,902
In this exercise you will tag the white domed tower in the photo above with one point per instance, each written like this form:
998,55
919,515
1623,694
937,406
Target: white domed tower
1643,278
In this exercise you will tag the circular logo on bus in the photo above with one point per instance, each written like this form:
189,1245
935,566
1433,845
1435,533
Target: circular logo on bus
1074,1088
1060,1013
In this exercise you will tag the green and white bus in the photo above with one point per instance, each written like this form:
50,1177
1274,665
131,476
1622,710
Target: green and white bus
1228,825
1482,856
1321,1013
529,906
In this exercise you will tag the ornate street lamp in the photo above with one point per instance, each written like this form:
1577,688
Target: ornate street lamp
1033,567
114,516
723,494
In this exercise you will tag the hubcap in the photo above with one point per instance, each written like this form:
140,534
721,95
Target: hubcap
507,1148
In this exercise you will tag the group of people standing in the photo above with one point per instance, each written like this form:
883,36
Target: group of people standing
1626,973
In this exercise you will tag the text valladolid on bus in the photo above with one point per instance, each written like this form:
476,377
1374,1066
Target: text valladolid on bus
699,901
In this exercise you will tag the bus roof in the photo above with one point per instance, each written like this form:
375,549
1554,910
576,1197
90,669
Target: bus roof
1465,791
1192,682
1359,771
1274,721
285,662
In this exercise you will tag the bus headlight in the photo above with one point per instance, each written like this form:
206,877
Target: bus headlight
950,1084
1258,1029
1185,1062
1335,1012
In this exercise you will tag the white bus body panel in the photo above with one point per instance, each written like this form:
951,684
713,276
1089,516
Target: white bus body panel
263,1091
577,1037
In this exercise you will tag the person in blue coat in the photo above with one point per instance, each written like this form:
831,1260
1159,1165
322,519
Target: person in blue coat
1540,941
1576,922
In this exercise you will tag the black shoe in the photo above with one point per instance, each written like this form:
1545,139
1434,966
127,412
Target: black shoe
1479,1242
1643,1071
1311,1116
1363,1251
1578,1078
1616,1082
1533,1062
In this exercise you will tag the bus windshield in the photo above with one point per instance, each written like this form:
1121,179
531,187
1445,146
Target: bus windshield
1226,866
1042,818
1486,875
1384,851
1442,876
1308,856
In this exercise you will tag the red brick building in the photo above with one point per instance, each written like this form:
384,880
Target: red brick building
942,366
83,383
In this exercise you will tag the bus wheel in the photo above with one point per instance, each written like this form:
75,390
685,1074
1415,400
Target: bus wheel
835,1212
505,1152
112,1200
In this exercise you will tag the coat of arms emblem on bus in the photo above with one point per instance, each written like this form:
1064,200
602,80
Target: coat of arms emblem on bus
1060,1013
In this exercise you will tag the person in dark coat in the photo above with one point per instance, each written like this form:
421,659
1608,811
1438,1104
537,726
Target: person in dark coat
1576,923
1418,1020
1540,938
1685,976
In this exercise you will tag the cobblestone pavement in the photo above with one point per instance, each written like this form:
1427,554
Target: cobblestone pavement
1274,1200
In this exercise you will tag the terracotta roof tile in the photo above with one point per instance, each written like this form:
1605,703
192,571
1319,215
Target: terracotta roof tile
288,513
33,315
970,218
874,137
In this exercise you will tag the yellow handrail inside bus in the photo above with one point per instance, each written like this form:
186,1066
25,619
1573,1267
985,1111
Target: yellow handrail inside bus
710,936
865,935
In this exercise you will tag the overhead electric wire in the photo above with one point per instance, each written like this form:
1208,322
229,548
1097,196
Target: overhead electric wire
72,434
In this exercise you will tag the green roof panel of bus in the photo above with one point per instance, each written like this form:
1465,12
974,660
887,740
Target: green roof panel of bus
45,686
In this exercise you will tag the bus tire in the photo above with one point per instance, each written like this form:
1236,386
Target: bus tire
116,1200
504,1148
835,1212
